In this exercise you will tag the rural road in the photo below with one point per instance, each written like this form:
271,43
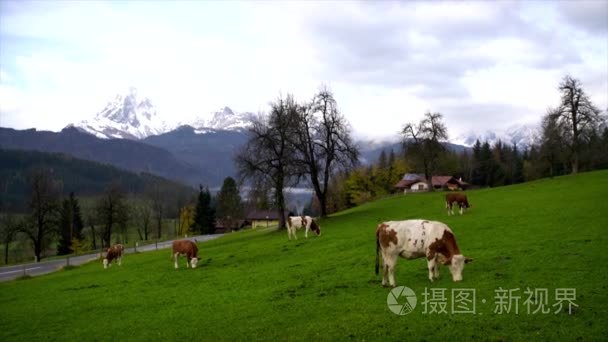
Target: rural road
38,268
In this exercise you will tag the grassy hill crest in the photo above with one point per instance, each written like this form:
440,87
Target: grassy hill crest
258,285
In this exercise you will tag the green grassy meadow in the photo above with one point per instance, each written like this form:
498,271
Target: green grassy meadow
258,285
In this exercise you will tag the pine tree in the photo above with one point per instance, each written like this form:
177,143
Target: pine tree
390,173
489,166
477,176
229,206
204,215
518,165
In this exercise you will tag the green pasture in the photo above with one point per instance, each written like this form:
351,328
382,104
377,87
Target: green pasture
257,285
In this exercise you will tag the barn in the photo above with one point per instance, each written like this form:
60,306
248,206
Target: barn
264,218
415,182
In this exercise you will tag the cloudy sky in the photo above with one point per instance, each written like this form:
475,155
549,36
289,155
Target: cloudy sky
484,65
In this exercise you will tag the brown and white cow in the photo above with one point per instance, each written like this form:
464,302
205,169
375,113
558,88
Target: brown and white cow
113,253
187,248
298,222
461,199
414,239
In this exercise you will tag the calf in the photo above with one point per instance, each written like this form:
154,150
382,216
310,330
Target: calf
298,222
461,199
187,248
414,239
114,253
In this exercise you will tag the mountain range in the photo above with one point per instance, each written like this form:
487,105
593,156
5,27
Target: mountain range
129,133
123,153
522,135
130,116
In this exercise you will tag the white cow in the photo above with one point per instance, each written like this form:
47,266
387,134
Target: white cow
414,239
298,222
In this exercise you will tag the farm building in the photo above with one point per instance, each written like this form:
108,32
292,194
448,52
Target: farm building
225,226
414,182
264,218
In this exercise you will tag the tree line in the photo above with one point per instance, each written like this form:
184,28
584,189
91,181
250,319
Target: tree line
311,141
113,216
573,137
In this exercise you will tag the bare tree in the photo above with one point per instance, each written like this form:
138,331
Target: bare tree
111,211
90,218
423,143
144,216
259,195
269,154
44,205
577,115
8,230
157,197
323,143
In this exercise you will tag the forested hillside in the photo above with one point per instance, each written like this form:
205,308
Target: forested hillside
75,175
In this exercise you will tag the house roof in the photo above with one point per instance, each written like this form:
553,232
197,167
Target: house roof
443,180
265,215
411,178
406,183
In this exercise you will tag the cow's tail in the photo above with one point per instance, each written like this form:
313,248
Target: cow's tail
377,253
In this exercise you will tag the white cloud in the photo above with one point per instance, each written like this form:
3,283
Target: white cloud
387,62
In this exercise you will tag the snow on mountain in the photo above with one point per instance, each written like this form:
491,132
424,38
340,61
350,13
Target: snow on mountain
523,135
366,144
126,116
224,119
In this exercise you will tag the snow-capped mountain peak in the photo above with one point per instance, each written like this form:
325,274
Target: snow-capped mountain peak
127,116
524,135
224,119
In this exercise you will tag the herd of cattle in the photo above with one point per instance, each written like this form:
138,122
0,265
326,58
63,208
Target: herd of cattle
410,239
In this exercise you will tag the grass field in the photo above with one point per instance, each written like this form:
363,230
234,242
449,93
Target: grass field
258,285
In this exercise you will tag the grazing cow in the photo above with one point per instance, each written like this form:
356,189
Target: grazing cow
461,199
114,253
298,222
187,248
414,239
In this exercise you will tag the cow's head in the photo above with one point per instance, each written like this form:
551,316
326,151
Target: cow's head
456,264
193,262
315,227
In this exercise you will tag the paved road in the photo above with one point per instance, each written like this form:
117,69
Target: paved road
34,269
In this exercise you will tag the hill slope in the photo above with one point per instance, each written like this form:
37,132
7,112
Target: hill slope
257,285
81,176
126,154
212,152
